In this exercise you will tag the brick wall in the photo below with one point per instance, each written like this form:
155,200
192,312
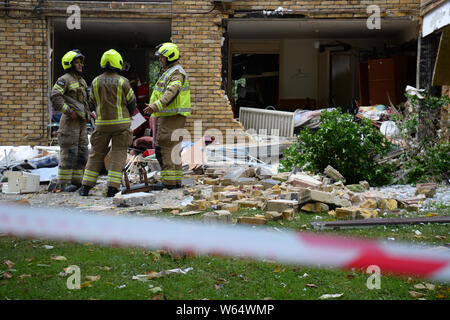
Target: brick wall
199,39
23,78
332,8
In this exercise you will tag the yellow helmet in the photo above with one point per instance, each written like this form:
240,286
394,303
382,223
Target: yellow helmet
111,59
168,50
70,56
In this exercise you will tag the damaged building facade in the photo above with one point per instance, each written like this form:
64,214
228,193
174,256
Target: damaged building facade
279,55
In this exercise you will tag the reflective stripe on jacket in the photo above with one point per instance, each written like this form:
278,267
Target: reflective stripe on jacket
181,102
111,93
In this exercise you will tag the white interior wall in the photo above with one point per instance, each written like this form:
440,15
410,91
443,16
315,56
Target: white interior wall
298,69
299,59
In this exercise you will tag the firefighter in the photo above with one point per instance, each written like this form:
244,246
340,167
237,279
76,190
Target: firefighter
69,96
114,102
170,102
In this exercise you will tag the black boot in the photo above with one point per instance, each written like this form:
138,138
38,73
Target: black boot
58,188
160,186
72,187
170,187
84,190
112,192
51,186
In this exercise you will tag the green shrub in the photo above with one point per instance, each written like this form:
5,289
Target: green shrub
347,146
424,158
432,164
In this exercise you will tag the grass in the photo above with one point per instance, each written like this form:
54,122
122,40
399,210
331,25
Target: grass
211,277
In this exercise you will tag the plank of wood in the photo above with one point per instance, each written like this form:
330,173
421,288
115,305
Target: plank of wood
378,222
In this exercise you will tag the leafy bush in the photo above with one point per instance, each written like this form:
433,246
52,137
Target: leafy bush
432,164
424,159
347,146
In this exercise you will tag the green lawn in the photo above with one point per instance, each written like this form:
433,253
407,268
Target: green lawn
211,277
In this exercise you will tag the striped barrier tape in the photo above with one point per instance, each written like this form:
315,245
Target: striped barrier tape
225,240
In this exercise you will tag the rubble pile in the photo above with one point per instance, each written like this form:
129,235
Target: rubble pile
218,193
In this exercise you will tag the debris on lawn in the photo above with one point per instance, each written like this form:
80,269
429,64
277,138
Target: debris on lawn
5,275
153,275
9,264
58,258
331,296
93,278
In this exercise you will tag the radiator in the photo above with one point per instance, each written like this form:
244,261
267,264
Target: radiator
257,119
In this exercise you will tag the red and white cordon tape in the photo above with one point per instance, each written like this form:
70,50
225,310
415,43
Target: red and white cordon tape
227,240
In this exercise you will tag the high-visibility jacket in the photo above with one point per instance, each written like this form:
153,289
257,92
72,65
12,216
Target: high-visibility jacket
180,103
69,94
114,101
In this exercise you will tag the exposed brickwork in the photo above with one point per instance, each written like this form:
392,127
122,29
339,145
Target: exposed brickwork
334,9
23,79
199,38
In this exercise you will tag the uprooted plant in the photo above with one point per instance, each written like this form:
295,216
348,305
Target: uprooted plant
425,158
347,146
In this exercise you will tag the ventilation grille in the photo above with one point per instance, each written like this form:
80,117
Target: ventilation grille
259,119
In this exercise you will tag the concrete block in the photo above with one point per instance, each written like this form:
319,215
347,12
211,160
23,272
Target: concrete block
231,207
187,213
273,215
133,199
217,188
269,183
412,208
365,185
346,212
211,181
244,181
284,176
216,196
247,203
198,205
256,193
303,180
369,204
333,174
281,205
356,199
226,182
427,189
392,204
221,216
319,196
316,207
288,214
252,220
382,204
367,213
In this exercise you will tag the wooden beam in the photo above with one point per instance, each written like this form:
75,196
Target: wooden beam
378,222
